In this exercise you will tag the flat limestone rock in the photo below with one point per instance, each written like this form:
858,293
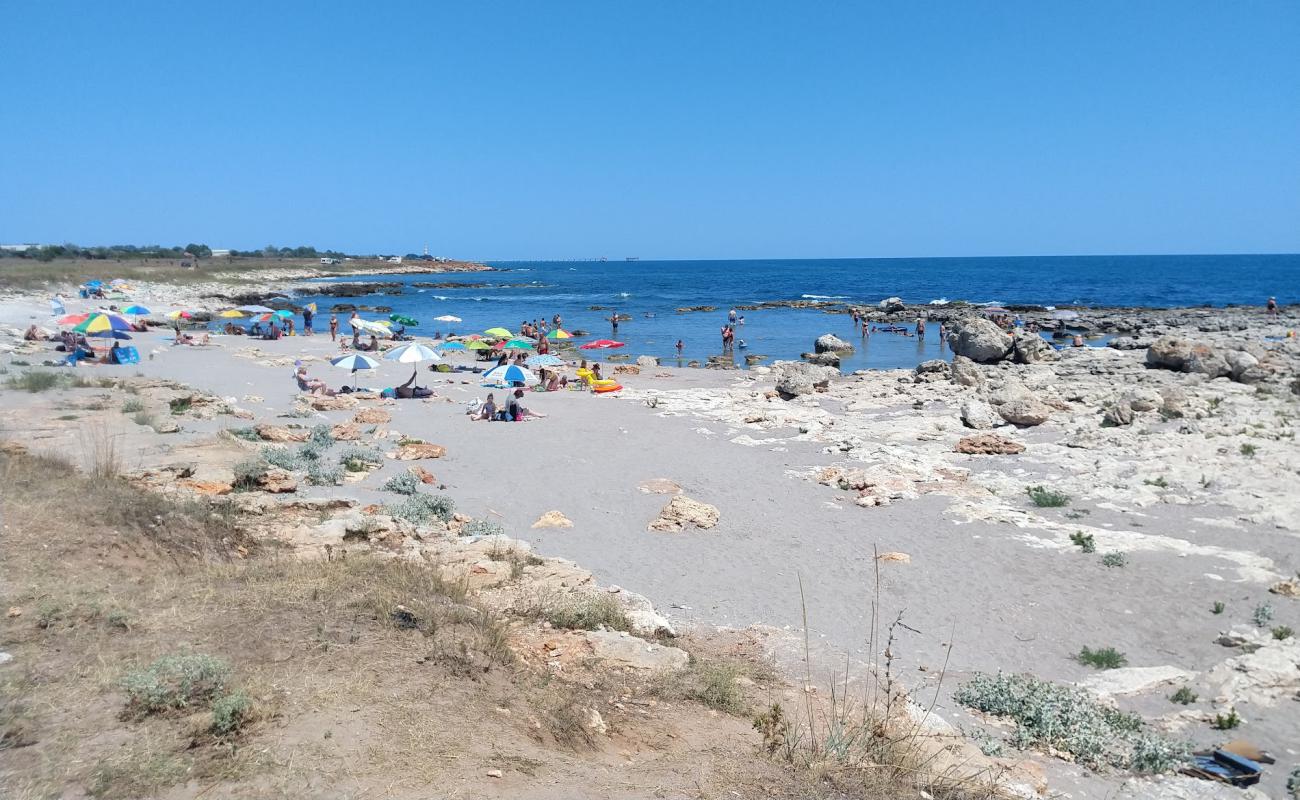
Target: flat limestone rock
659,486
631,651
1133,680
372,416
989,444
553,519
416,452
683,512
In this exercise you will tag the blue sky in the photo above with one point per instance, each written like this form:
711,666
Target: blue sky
665,129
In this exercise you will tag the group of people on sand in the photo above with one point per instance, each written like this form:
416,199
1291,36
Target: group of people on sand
514,411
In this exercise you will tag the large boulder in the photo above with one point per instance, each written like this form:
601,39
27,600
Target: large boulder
1205,360
794,378
979,340
1030,348
647,361
682,512
979,415
830,343
1243,367
965,373
1117,414
936,369
1181,355
1025,411
826,359
892,304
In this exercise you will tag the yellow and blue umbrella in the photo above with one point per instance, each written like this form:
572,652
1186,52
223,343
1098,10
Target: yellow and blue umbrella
101,324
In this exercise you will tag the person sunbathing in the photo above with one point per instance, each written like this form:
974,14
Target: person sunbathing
486,411
312,385
32,334
408,390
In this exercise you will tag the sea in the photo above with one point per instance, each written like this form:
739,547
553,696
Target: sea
586,293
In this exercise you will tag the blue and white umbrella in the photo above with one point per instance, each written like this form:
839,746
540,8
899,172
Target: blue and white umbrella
254,309
545,360
354,362
508,375
451,346
412,353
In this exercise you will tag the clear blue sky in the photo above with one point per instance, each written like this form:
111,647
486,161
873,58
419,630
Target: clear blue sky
657,129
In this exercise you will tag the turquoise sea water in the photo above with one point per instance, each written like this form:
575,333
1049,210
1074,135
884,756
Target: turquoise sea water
651,291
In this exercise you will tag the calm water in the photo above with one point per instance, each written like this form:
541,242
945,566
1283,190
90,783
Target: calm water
651,291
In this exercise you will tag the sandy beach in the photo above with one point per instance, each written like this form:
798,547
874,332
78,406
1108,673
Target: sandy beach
1191,483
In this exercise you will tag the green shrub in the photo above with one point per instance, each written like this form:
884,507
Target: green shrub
179,405
587,612
321,436
716,686
1226,722
1282,632
1248,450
1218,607
323,473
1043,497
248,474
482,527
174,682
1071,720
284,458
1114,559
311,451
247,434
360,459
1084,541
34,380
422,509
230,712
132,405
1102,658
1263,614
1159,482
1184,696
402,483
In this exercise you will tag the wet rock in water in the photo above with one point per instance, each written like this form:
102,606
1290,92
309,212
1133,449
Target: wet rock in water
936,369
989,444
794,378
279,433
892,304
754,358
647,361
1025,411
372,416
682,512
979,415
965,373
1030,348
830,343
826,359
689,309
979,340
553,519
417,451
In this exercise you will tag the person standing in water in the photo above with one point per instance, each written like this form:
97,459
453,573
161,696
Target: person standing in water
920,327
613,322
731,317
307,313
679,348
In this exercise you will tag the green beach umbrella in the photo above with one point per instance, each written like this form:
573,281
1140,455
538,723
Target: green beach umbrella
478,345
500,333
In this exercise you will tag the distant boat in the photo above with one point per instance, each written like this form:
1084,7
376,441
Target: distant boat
632,258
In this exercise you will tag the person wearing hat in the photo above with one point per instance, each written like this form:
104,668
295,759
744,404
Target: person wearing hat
1271,306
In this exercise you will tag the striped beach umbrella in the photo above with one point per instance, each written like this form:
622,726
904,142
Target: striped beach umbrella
412,353
508,375
101,324
559,334
354,362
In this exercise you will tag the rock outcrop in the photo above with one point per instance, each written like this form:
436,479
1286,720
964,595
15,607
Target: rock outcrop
794,378
979,340
682,512
1025,411
979,415
830,343
989,444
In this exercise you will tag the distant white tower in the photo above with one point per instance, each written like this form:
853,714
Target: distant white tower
426,251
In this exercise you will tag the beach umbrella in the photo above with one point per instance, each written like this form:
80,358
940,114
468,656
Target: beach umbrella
559,334
373,328
255,309
498,333
98,323
137,310
602,344
179,315
545,360
507,375
479,344
519,344
354,362
452,346
448,318
72,319
95,282
231,314
404,320
412,353
284,313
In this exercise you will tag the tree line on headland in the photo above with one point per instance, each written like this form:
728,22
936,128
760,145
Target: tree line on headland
49,252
